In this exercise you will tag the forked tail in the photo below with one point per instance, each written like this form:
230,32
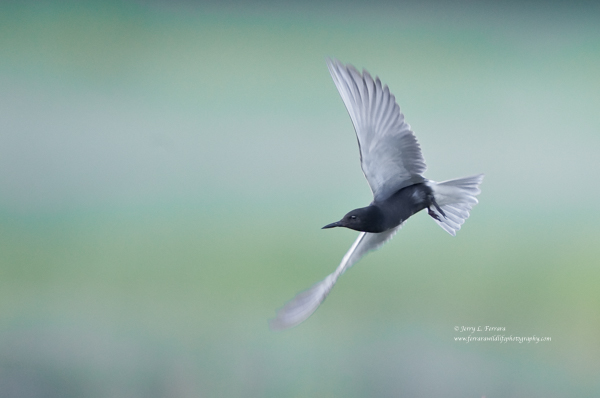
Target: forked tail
455,198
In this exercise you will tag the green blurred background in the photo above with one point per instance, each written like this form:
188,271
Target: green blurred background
165,168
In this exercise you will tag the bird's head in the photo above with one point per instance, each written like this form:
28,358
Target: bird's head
366,219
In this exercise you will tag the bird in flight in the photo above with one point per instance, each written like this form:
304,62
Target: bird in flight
393,165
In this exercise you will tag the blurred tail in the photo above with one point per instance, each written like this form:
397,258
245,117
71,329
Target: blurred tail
455,198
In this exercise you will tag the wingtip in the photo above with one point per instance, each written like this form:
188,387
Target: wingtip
276,325
332,65
333,60
303,305
279,323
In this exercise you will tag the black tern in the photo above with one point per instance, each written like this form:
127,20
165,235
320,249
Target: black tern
393,165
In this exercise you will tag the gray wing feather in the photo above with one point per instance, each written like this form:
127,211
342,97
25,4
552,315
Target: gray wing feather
390,155
304,304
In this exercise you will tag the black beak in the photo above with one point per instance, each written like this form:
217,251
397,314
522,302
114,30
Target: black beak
332,225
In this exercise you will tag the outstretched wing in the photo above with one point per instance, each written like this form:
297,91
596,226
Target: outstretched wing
304,304
390,155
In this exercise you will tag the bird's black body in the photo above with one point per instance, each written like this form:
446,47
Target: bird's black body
384,215
391,160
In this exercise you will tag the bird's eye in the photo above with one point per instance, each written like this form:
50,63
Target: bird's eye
353,217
